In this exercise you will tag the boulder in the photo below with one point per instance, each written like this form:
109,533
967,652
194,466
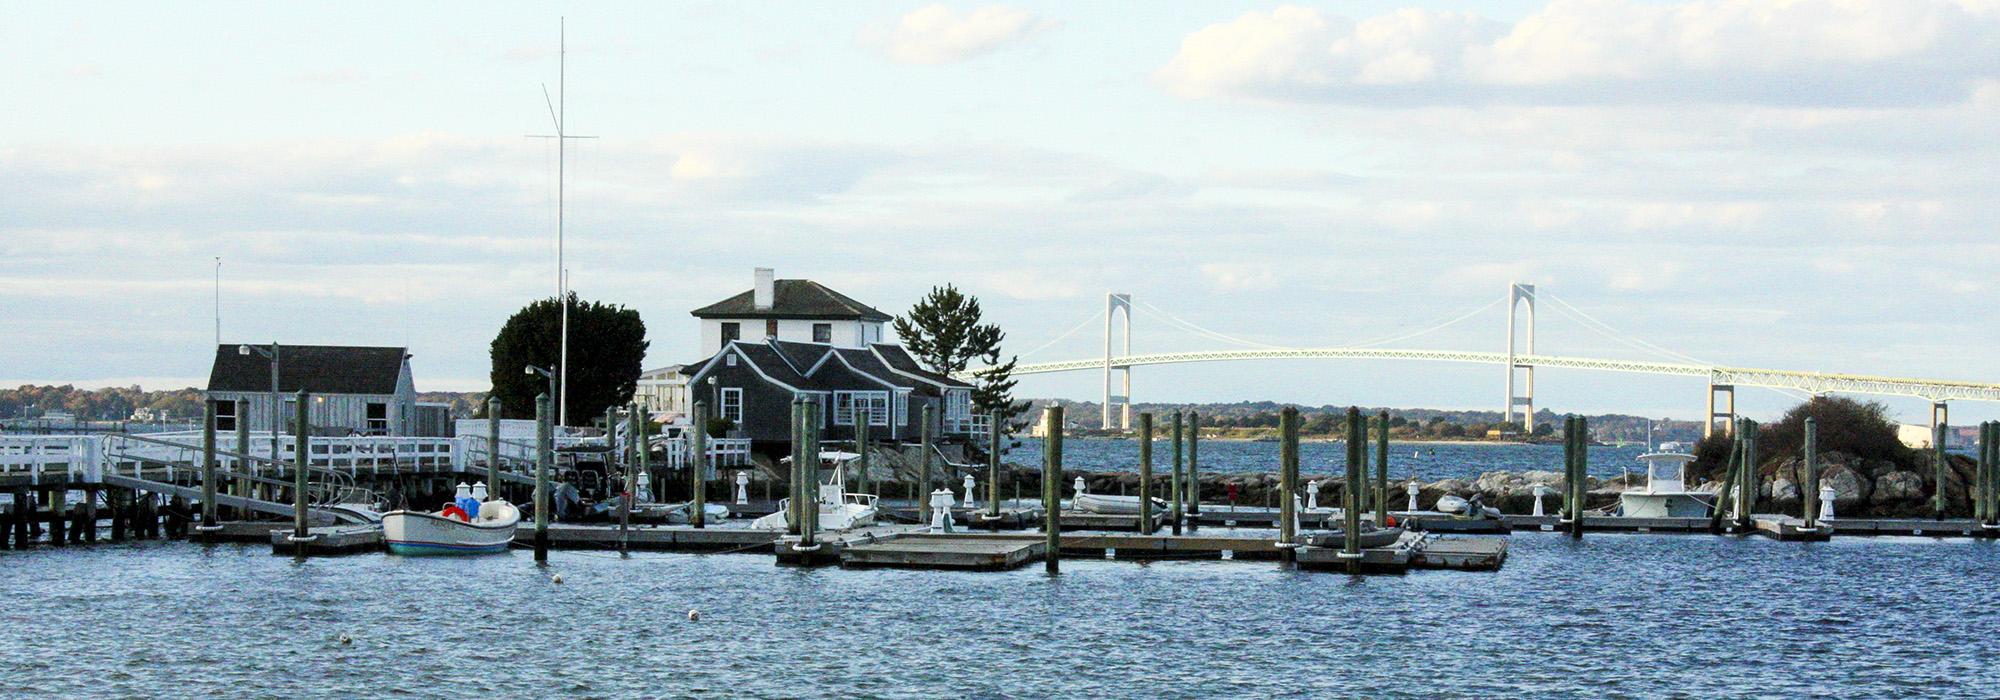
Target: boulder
1896,490
1851,490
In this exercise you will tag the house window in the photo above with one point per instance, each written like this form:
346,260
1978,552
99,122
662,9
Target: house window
731,400
730,359
873,405
822,332
378,419
958,404
731,332
902,407
770,328
225,415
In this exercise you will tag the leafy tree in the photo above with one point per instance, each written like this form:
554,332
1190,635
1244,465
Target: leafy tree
1859,428
607,344
944,331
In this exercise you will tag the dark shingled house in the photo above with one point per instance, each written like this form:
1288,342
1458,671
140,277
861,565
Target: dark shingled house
353,390
752,385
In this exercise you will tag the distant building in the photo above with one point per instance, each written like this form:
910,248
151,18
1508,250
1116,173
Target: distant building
800,311
353,390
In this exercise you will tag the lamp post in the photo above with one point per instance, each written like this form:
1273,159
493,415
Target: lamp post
532,370
277,405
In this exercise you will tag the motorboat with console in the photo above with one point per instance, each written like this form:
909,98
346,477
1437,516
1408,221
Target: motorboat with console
838,509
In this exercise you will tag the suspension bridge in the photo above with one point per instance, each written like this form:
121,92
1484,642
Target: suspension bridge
1520,360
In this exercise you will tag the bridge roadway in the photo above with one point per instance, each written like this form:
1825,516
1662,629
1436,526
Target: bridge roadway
1936,390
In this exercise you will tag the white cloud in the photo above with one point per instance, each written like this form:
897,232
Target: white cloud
1603,51
937,34
1239,277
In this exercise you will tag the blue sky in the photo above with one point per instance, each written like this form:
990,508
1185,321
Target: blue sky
1792,184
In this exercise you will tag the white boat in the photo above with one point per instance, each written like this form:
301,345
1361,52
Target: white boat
1455,505
1111,505
413,532
838,509
1665,494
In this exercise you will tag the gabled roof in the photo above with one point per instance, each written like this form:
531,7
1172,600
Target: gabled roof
801,356
320,369
772,365
901,362
865,362
799,299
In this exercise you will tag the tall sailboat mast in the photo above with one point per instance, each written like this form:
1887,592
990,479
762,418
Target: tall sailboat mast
557,113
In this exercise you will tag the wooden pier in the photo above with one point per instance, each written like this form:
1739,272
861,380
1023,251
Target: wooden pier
941,551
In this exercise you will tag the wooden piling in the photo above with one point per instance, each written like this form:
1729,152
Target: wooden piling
1350,497
1382,470
208,519
1193,462
1809,496
90,513
1174,484
794,515
1052,447
627,498
1145,473
697,460
993,426
1288,478
301,458
544,454
58,499
116,499
861,462
1748,489
1992,461
813,423
923,491
1728,483
243,462
493,448
1941,462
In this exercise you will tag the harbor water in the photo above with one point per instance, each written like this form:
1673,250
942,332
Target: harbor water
1430,461
1609,616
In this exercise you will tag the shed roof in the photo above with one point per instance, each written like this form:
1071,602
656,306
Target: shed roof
320,369
802,299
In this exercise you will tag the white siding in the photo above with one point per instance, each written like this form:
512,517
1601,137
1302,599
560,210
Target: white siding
846,334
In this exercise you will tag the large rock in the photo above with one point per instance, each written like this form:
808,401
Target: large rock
1897,490
1851,490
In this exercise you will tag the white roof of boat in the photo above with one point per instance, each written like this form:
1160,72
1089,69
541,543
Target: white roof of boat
1666,457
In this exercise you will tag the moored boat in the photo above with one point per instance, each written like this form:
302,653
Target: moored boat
1111,505
449,531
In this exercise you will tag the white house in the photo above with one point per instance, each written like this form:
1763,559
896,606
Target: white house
800,311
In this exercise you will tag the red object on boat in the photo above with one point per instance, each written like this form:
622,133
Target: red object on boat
454,512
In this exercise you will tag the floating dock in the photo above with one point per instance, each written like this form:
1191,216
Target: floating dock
947,551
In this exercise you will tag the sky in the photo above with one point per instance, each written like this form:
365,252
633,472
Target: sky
1793,184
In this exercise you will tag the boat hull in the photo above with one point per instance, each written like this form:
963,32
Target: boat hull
424,534
1112,505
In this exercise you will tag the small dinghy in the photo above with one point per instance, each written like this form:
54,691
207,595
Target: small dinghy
1460,507
450,531
1112,505
1371,536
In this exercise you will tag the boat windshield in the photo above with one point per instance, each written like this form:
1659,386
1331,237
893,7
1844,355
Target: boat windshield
1665,475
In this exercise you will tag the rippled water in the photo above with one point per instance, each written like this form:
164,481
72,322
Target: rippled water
1430,460
1610,616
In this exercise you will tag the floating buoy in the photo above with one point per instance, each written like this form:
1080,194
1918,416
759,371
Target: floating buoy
694,615
344,639
556,578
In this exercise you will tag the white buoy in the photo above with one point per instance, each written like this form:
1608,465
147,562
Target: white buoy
344,639
556,578
694,615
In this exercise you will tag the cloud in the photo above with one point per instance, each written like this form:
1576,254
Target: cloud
1790,52
936,34
1239,277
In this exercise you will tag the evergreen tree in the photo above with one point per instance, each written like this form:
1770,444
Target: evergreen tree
607,344
943,331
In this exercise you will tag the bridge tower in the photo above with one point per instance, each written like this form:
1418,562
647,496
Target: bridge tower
1520,374
1721,409
1118,309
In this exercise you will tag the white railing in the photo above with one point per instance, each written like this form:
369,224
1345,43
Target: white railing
34,455
86,458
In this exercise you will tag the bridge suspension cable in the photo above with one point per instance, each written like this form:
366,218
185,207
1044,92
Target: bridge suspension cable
1162,313
1065,334
1432,329
1607,330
